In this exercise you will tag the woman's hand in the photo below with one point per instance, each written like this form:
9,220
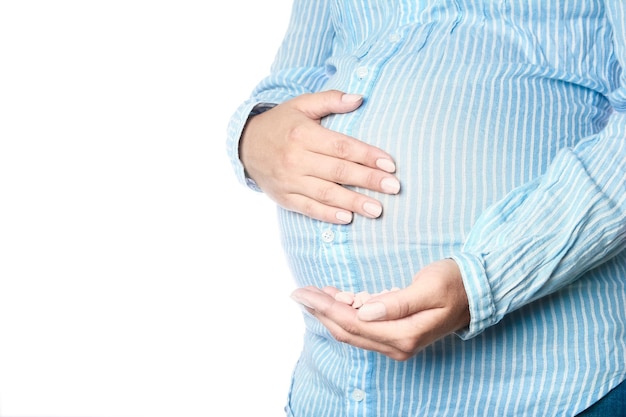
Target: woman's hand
398,323
303,166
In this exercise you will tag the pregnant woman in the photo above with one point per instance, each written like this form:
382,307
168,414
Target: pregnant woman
469,156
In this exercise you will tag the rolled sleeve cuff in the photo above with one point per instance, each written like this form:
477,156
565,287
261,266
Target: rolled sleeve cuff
235,129
481,303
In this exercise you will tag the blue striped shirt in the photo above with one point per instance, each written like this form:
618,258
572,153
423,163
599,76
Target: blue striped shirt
507,122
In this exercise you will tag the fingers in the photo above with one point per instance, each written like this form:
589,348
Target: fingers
438,286
398,339
398,322
350,168
336,145
319,105
339,319
402,303
305,167
328,201
324,165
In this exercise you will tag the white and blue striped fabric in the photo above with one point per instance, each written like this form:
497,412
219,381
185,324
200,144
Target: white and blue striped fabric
507,122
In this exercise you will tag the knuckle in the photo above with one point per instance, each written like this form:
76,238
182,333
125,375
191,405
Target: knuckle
308,209
407,347
372,153
341,148
324,194
373,180
340,172
340,336
288,161
296,134
352,329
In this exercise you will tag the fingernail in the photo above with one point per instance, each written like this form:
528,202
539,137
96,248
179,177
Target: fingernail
386,165
360,299
344,216
390,185
351,98
372,311
373,209
345,297
301,300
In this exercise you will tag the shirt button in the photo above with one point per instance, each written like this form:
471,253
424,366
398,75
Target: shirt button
362,72
358,395
394,37
328,236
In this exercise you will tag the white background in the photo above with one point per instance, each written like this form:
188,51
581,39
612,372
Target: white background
137,277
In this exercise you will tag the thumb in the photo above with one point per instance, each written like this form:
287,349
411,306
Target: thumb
392,305
437,285
319,105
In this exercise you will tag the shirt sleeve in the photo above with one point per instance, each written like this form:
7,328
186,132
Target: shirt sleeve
298,68
547,233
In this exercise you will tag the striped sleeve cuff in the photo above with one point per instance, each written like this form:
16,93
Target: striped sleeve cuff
235,129
481,303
